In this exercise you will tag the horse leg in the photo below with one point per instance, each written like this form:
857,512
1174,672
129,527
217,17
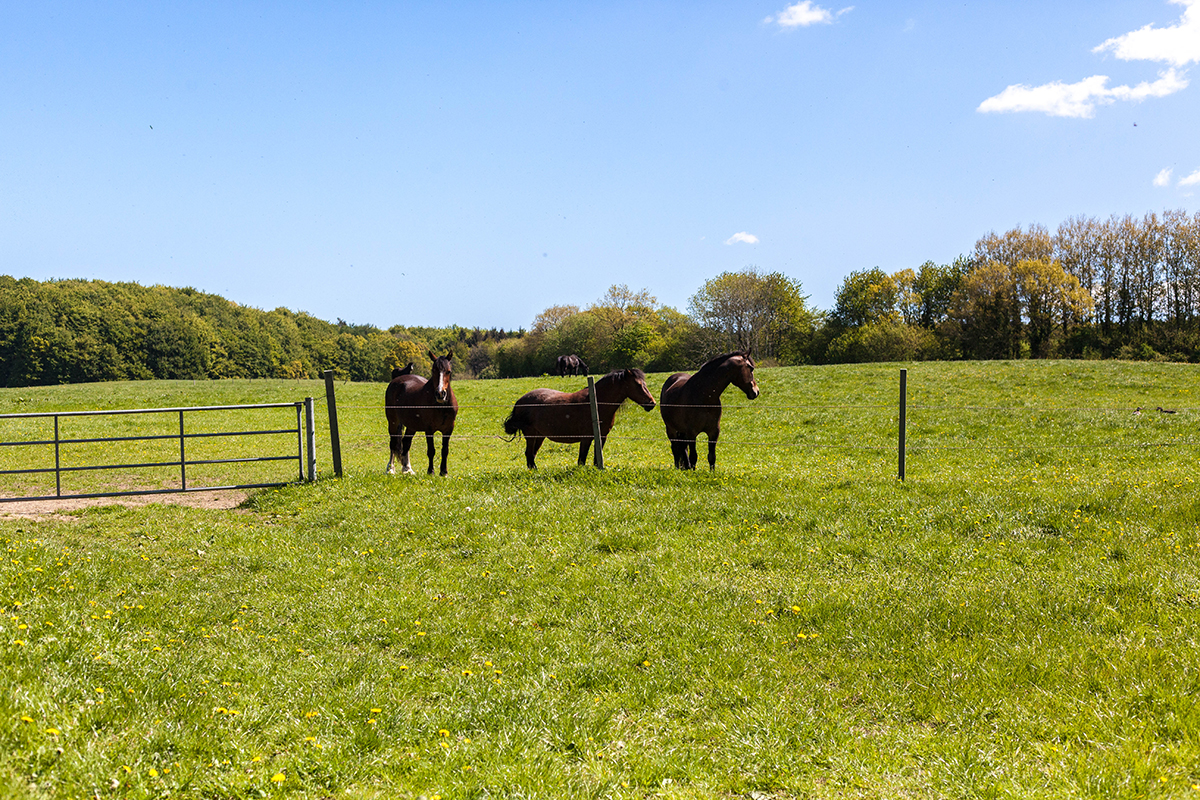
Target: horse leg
532,443
712,450
445,452
405,445
584,446
429,449
393,449
691,453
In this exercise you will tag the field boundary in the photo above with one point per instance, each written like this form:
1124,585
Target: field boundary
304,432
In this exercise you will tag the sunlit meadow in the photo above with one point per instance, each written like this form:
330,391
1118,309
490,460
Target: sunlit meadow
1018,618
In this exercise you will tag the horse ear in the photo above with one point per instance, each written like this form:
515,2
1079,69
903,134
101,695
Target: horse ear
432,357
449,355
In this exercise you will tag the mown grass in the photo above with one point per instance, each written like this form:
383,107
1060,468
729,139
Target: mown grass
1018,619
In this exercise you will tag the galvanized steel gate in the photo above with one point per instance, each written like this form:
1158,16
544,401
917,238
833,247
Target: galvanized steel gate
304,433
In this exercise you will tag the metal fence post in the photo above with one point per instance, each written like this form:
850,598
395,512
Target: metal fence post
182,456
903,416
57,462
335,443
310,436
598,456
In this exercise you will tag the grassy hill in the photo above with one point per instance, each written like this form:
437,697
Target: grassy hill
1017,619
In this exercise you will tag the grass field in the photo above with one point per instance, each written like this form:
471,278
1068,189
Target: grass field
1019,618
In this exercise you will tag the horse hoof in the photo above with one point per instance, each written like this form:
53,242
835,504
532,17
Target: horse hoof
391,470
407,471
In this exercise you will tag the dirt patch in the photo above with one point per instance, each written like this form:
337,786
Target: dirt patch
224,500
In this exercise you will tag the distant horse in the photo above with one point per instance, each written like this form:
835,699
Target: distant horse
414,404
566,416
570,365
397,371
691,404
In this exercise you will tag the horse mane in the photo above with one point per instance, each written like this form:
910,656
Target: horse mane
712,364
616,374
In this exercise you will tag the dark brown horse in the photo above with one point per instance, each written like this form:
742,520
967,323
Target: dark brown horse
567,417
407,370
691,404
414,404
570,365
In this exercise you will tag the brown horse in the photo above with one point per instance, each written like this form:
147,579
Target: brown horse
691,404
414,404
567,417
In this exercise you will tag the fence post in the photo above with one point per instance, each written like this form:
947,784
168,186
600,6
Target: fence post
182,456
310,435
57,462
335,442
903,416
597,456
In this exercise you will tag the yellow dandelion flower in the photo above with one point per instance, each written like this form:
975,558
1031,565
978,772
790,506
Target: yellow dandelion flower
53,731
376,710
443,732
278,777
467,672
311,714
26,718
153,772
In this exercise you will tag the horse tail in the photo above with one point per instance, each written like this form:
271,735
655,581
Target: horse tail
516,421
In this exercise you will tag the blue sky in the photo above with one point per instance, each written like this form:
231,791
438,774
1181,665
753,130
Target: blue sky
475,163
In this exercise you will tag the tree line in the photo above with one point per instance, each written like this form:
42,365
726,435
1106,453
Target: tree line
1124,287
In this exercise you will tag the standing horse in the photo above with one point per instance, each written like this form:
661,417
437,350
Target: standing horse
414,404
566,416
570,365
691,404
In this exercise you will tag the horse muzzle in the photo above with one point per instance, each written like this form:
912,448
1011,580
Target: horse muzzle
753,391
443,396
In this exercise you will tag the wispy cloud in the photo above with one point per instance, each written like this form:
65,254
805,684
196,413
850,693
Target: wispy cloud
805,13
1080,99
1191,180
750,238
1163,178
1177,45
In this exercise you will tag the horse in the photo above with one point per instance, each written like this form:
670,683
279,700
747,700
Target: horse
570,365
691,404
406,370
413,404
566,417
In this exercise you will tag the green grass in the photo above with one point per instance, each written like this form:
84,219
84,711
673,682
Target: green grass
1018,619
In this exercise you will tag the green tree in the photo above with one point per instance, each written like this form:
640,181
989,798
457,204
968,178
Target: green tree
764,313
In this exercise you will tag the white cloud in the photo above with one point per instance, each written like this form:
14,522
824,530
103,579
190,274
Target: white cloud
1163,178
1178,45
1191,180
1080,99
803,14
750,238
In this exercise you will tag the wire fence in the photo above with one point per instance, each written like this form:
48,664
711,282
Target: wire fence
878,428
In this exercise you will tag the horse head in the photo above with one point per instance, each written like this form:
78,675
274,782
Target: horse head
441,376
633,384
743,373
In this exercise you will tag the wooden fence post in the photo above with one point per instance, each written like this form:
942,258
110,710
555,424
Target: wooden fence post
335,443
597,456
903,416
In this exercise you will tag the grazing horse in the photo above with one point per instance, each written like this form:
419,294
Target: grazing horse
570,365
414,404
567,417
691,404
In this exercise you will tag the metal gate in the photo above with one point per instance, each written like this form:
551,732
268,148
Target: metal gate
303,431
